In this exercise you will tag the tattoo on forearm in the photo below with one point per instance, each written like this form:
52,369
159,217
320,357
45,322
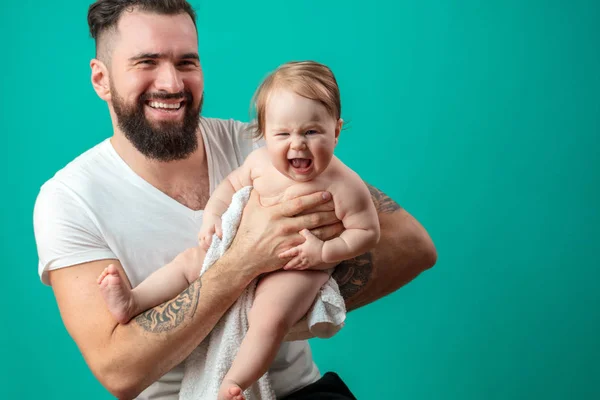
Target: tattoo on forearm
383,203
352,275
172,313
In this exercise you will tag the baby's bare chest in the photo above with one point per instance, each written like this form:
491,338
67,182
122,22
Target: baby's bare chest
273,187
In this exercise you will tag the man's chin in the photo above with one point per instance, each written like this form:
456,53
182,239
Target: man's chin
165,125
162,123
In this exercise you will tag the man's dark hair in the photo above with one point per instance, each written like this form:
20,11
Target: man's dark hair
103,15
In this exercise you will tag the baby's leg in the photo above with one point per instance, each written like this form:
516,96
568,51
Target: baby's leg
281,299
165,283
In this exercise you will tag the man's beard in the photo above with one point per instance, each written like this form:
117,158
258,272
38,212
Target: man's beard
162,141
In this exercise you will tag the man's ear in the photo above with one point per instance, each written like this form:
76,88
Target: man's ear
100,79
338,129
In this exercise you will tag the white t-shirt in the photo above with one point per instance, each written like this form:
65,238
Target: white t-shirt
98,208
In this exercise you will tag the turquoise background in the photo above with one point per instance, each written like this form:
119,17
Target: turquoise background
480,118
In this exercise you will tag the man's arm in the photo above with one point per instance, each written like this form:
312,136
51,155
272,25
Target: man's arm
128,358
403,252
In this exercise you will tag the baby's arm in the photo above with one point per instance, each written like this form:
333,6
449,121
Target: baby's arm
240,177
221,198
361,226
354,207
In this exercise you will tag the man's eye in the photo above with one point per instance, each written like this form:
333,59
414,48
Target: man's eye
187,63
148,62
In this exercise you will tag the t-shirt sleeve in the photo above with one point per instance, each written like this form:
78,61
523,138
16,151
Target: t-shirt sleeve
242,139
65,232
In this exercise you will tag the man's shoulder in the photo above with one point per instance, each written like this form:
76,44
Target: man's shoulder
230,137
84,169
216,127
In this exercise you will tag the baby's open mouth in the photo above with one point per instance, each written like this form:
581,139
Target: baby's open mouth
300,163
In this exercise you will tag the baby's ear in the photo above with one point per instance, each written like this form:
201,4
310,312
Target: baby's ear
338,129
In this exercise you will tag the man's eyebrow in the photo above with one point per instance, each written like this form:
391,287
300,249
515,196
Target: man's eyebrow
155,56
190,55
145,55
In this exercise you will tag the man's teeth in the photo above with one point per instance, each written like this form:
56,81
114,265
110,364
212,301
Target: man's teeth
156,104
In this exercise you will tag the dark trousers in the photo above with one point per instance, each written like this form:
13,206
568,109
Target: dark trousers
329,387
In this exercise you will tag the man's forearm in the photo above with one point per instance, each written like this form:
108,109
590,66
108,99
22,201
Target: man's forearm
403,252
165,335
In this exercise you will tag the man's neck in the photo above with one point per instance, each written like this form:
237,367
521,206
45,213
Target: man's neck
179,179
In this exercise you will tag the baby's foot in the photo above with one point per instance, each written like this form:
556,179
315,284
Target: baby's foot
116,294
230,390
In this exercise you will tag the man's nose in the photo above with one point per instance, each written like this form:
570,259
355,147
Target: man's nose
169,79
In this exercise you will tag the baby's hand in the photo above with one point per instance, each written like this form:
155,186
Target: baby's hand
305,255
211,224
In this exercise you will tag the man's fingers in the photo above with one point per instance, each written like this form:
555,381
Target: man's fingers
314,220
329,231
292,207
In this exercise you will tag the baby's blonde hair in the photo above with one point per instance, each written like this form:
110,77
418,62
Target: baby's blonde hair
308,79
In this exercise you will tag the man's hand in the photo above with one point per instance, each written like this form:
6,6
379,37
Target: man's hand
266,232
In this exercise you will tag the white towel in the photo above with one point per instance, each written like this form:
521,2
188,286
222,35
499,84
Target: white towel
210,361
